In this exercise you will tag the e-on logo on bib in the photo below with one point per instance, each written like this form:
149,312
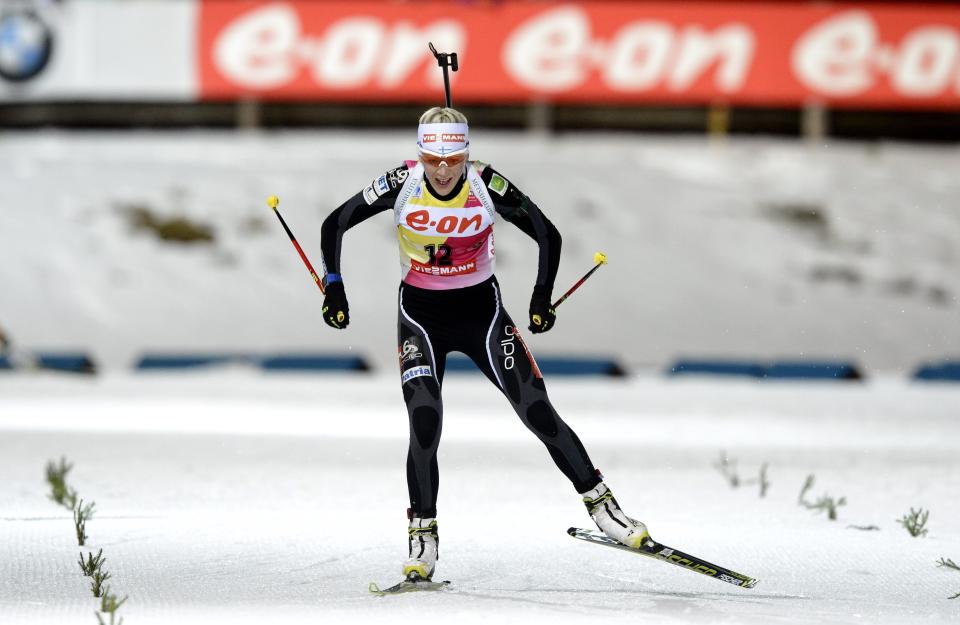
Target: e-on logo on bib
420,221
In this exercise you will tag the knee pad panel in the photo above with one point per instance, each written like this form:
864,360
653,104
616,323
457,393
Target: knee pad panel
542,418
425,423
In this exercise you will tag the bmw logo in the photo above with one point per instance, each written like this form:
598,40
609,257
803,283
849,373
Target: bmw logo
26,43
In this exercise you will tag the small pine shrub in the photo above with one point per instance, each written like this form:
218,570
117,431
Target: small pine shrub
82,514
807,485
728,469
829,505
92,564
97,585
915,522
764,482
109,604
950,564
60,492
825,503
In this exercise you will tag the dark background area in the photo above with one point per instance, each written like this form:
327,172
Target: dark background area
939,126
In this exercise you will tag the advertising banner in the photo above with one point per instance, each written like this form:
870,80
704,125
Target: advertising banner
98,50
903,56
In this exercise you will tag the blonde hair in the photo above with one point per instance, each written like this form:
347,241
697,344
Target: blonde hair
441,115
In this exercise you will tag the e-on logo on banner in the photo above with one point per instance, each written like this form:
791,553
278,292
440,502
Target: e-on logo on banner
26,44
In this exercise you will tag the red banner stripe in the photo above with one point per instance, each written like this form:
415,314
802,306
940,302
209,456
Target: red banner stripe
863,56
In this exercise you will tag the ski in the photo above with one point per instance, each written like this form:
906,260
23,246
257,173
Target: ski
657,551
407,586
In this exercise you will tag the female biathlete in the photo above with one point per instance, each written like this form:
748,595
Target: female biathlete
444,208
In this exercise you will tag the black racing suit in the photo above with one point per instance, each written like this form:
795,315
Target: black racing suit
472,320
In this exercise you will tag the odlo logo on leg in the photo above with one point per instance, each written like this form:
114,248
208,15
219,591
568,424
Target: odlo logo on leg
508,346
409,351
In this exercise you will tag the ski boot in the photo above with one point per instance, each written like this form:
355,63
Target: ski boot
423,543
610,518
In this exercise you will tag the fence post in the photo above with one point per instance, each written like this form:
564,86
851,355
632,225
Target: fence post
718,122
814,121
248,114
539,116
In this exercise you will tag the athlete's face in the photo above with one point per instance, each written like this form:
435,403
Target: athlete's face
443,173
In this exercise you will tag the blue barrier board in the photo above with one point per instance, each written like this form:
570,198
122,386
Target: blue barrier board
942,372
778,370
186,361
812,371
551,365
717,367
314,362
274,362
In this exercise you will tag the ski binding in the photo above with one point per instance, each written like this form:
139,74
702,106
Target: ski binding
407,585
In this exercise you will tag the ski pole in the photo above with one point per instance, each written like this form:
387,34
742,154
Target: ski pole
273,201
600,259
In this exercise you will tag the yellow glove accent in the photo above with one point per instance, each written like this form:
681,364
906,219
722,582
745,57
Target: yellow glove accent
339,317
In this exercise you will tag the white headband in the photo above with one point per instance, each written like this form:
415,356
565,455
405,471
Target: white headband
443,139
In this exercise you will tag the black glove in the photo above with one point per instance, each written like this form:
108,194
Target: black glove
336,311
542,313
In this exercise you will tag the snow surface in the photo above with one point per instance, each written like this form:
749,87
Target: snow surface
705,258
236,497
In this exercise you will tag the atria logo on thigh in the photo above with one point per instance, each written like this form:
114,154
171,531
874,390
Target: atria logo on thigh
415,372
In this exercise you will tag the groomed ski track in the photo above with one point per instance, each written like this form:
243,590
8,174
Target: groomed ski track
234,497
